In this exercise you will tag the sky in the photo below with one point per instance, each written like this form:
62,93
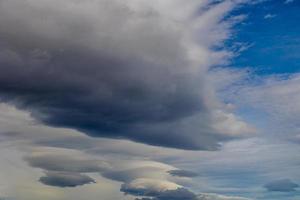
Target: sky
149,99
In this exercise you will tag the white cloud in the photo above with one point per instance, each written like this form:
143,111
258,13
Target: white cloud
152,185
277,98
269,16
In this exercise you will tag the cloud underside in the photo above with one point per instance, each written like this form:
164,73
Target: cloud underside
65,179
182,173
282,185
119,69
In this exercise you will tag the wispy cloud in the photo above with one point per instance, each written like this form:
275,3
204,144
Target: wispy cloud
269,16
289,1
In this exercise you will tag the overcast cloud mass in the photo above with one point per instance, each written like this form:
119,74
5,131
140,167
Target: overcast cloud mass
149,100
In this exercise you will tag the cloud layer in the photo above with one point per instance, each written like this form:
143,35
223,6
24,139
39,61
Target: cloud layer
182,173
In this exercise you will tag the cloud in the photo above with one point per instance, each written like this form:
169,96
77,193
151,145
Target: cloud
282,185
119,161
148,187
157,191
236,168
182,173
269,16
152,189
139,73
275,99
63,161
65,179
288,1
219,197
135,173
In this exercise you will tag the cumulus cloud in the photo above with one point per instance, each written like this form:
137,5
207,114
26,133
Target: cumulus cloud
65,179
282,185
120,69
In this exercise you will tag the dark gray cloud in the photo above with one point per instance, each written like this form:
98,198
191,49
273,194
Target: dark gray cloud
131,174
56,162
65,179
133,74
182,173
282,185
64,169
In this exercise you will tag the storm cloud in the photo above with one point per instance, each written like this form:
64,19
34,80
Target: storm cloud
119,69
